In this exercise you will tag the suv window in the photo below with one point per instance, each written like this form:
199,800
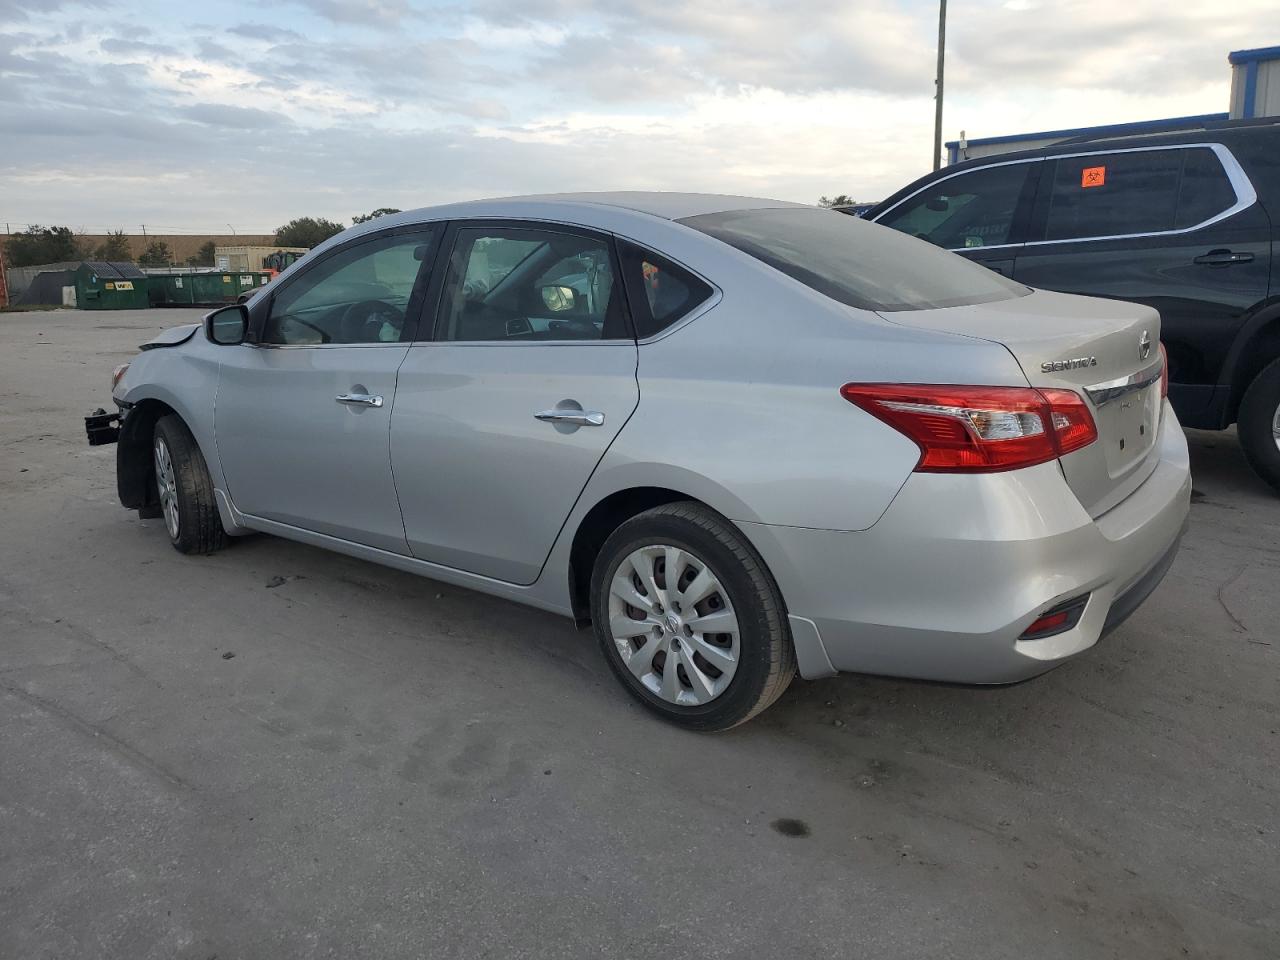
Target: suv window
856,262
1205,190
661,292
529,284
1144,191
974,209
358,295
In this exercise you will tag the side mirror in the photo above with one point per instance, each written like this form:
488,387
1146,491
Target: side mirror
228,326
558,298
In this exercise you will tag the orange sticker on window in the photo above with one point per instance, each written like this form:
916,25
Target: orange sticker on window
1093,176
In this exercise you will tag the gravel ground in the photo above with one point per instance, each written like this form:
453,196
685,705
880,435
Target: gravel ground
278,752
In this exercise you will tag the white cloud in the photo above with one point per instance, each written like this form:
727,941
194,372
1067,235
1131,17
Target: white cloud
382,102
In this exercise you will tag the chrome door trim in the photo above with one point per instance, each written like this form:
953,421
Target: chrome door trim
402,344
1246,196
1108,390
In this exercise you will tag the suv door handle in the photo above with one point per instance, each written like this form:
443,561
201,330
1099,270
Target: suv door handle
577,418
1223,258
361,399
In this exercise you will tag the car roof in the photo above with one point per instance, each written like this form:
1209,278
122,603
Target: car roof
667,205
606,210
613,210
658,203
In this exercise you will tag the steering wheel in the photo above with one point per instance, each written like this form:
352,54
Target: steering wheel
361,322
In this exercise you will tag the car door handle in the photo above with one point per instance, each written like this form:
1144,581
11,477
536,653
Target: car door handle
359,399
578,418
1222,258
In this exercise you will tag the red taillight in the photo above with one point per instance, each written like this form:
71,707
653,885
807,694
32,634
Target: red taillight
979,429
1164,371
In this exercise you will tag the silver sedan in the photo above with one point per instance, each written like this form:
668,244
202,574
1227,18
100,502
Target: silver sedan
743,438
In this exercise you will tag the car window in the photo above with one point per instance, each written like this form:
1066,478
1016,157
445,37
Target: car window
856,262
1205,190
530,284
359,295
662,292
973,209
1144,191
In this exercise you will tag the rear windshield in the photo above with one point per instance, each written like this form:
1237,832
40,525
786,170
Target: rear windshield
856,262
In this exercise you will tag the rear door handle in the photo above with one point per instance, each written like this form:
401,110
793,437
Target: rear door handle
577,418
359,399
1223,258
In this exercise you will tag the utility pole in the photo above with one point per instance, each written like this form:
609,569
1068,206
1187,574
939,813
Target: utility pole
232,229
144,227
937,96
4,283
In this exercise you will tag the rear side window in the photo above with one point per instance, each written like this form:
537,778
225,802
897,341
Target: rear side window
1146,191
973,209
1205,190
660,292
855,262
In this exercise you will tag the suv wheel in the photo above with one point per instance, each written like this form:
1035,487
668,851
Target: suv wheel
689,619
1258,424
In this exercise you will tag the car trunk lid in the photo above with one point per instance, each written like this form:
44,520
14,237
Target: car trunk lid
1105,350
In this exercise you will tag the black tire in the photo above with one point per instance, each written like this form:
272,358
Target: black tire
199,527
766,659
1256,422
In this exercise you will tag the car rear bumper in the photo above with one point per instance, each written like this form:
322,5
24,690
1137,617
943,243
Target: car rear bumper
959,566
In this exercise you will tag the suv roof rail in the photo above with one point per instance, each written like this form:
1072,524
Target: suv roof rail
1181,131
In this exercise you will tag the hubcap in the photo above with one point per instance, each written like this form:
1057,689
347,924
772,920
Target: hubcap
1275,427
167,486
673,625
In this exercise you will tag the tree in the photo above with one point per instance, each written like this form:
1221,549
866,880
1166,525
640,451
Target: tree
156,255
307,232
380,212
839,200
38,245
204,257
115,248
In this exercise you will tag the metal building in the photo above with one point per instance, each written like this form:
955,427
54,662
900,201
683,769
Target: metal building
1255,83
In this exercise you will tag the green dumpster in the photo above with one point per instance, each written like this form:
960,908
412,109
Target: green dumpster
203,289
110,286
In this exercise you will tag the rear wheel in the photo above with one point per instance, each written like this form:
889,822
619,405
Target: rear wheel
689,619
1258,424
185,489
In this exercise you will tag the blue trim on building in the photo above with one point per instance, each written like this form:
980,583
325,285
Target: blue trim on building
1111,130
1248,106
1253,56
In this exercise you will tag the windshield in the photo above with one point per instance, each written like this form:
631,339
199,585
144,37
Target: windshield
856,262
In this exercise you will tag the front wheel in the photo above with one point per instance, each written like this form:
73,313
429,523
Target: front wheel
185,489
689,619
1258,424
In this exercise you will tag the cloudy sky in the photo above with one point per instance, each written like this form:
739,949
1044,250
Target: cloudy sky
193,116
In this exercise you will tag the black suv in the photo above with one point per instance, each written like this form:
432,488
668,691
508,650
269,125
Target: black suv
1187,222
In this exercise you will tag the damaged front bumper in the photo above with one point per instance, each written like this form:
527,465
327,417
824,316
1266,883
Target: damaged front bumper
102,427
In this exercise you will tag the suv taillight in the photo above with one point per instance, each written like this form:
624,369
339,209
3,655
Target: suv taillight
979,429
1164,371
